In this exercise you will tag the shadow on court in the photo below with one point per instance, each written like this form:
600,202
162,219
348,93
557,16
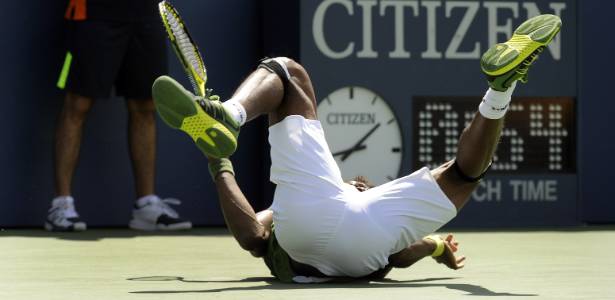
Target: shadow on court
97,234
273,284
114,233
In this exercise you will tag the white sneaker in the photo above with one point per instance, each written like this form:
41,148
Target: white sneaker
62,216
153,213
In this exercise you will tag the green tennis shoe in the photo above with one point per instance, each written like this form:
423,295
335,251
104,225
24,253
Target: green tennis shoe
204,119
504,63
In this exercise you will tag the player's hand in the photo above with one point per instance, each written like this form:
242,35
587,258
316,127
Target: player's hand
448,258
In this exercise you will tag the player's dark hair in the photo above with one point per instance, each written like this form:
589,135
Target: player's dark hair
364,180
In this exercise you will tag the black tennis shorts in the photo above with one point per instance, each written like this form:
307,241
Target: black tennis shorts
103,54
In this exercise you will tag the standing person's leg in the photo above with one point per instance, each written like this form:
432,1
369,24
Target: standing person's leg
503,64
144,60
93,58
150,211
68,135
69,130
142,144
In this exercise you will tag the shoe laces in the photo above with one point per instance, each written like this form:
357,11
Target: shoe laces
164,206
62,212
212,105
526,63
209,94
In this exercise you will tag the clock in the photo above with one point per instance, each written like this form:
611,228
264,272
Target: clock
363,134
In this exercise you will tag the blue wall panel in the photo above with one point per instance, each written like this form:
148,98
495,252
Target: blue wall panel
407,49
229,34
232,35
596,109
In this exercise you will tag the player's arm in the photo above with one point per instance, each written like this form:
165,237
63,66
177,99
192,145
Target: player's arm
248,228
443,253
405,258
409,256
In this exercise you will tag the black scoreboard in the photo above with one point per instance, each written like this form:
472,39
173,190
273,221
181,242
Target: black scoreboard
538,135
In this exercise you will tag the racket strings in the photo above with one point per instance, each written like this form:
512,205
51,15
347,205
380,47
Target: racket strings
186,47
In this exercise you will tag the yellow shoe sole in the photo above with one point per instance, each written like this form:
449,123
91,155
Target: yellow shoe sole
534,33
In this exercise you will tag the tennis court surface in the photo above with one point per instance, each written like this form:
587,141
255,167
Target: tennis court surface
208,263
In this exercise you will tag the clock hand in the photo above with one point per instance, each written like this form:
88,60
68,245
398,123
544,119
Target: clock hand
349,150
360,142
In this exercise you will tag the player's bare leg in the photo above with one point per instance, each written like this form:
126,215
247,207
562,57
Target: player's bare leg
263,91
504,64
142,144
475,150
68,140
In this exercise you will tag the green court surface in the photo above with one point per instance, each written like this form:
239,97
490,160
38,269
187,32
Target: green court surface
207,263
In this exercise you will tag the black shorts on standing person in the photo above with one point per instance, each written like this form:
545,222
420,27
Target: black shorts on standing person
119,43
112,45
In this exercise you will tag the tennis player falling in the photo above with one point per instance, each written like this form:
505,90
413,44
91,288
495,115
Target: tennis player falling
319,227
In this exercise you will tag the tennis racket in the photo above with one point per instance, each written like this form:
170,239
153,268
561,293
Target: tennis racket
185,48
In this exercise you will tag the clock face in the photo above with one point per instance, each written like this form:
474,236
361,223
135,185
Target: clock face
363,134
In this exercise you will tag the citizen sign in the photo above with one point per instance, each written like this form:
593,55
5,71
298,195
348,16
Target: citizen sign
435,13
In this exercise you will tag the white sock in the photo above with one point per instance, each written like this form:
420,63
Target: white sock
495,103
62,200
145,199
237,111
